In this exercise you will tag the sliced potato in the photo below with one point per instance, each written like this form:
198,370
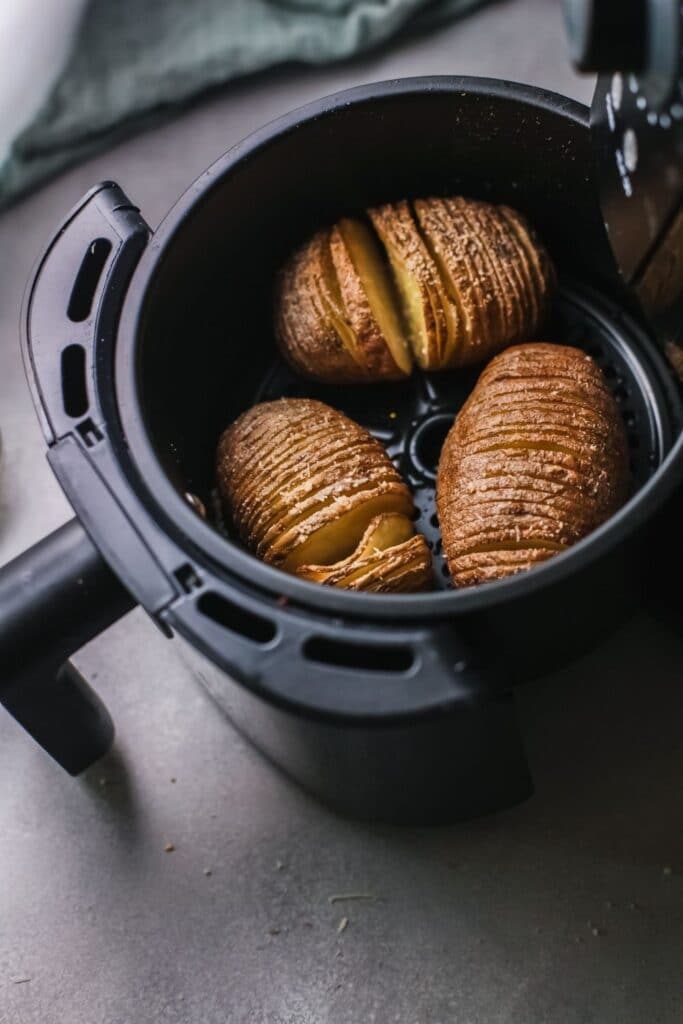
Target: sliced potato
390,557
443,282
536,459
302,483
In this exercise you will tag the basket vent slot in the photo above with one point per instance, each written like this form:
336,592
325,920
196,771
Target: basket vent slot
362,657
238,620
74,389
87,278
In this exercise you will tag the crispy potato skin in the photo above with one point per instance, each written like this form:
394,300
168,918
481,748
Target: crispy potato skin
295,474
494,270
323,322
306,305
537,458
465,279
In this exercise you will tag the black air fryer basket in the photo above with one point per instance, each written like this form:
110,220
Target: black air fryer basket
140,348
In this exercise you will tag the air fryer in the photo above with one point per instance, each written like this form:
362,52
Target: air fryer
140,348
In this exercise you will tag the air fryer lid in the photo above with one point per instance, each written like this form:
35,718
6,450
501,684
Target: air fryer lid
637,136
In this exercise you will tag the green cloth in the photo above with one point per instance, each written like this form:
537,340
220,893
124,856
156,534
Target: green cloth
134,60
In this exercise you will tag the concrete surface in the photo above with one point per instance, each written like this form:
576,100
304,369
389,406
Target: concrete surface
567,910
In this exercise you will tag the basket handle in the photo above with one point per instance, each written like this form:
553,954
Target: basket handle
53,599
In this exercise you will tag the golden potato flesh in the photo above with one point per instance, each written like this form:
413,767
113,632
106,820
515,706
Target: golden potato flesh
390,558
429,316
369,299
302,483
442,282
536,459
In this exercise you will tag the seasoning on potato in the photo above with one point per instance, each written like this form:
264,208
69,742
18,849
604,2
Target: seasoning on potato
314,494
336,314
440,282
537,458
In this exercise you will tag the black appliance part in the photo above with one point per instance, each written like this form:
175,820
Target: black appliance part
73,596
399,708
607,35
637,131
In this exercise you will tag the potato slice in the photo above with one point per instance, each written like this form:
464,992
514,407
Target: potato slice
510,303
390,557
369,297
309,318
429,315
302,483
334,533
536,459
541,273
454,260
495,270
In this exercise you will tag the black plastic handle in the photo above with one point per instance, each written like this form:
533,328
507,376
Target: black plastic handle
62,593
74,296
53,599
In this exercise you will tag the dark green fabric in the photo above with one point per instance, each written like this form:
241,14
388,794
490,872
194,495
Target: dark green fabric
135,59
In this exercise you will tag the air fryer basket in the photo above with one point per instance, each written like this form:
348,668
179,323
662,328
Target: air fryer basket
394,707
201,326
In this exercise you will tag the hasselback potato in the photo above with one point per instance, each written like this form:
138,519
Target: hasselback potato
313,493
536,459
442,282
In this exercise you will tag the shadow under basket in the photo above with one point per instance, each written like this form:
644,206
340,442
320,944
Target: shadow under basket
140,349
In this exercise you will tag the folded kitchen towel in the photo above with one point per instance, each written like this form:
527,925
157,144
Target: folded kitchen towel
133,61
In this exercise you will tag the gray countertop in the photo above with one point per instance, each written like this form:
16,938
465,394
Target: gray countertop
566,909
